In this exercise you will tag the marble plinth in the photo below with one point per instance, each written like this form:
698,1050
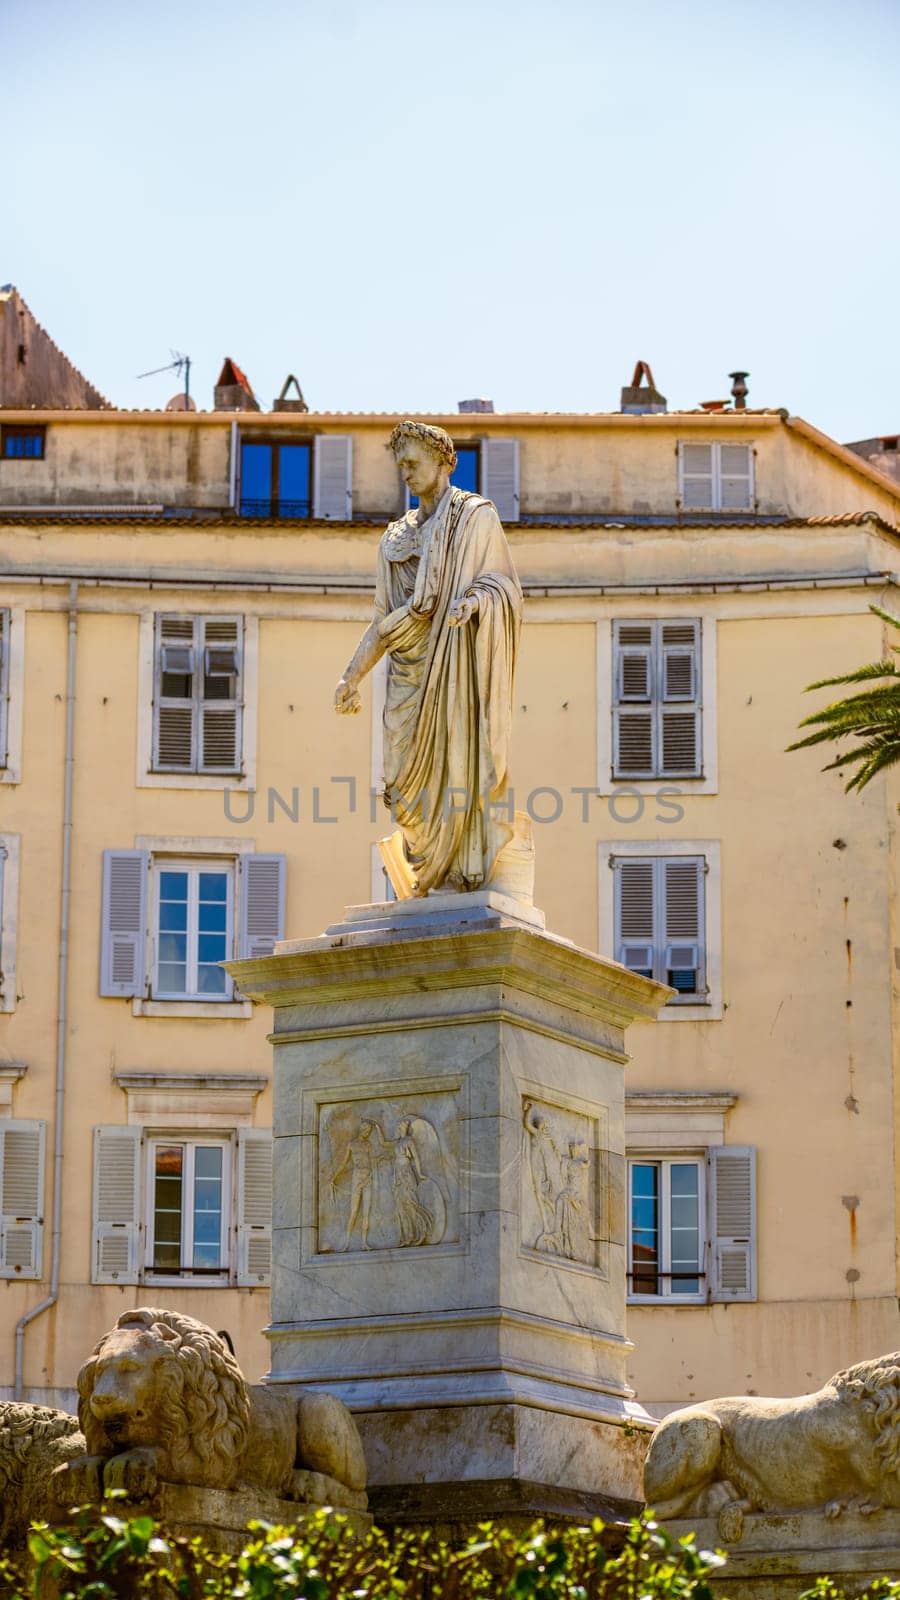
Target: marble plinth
780,1556
450,1228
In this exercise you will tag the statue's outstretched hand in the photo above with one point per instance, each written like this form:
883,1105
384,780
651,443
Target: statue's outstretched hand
347,699
462,610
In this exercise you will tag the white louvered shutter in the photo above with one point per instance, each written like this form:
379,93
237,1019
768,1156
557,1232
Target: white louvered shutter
262,904
21,1198
234,467
679,709
124,922
634,754
254,1207
333,476
682,895
175,670
220,695
500,476
696,463
4,685
732,1210
635,894
735,478
117,1205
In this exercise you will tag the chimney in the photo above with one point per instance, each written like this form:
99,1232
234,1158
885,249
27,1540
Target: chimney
283,403
232,391
641,396
739,389
467,406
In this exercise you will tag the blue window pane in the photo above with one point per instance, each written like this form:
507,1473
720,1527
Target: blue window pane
173,886
210,980
172,978
213,886
213,918
293,480
465,475
173,916
172,947
211,947
256,480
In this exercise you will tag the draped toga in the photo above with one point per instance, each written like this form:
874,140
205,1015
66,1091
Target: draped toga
448,705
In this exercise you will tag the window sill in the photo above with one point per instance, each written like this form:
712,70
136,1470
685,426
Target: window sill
669,788
217,1009
664,1300
10,775
193,780
154,1280
712,1011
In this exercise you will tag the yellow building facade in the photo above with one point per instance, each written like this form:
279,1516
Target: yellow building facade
179,593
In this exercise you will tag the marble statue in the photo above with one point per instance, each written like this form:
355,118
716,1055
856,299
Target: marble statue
163,1400
448,610
34,1442
832,1451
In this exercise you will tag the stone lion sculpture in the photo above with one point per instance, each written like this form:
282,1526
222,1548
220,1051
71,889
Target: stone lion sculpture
34,1442
834,1450
162,1399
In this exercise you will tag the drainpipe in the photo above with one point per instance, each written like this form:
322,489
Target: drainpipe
63,1005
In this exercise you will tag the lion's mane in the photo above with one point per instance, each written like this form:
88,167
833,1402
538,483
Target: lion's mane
34,1440
202,1400
876,1385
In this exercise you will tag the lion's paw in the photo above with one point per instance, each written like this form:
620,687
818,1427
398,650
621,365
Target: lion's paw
134,1472
78,1482
834,1509
730,1523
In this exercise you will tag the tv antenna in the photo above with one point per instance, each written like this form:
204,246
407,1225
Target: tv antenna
179,364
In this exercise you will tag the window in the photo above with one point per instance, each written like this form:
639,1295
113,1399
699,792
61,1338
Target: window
197,694
4,686
182,1207
21,1198
656,702
22,444
294,478
188,1205
692,1225
715,477
168,921
659,921
489,468
193,930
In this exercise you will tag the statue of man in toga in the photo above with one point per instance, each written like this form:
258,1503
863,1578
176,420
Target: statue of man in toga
448,610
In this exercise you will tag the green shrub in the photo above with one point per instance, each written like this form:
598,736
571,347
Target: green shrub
104,1556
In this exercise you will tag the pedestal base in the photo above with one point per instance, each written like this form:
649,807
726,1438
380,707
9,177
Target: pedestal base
778,1557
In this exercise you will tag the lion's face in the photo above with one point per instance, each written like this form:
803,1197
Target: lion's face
126,1395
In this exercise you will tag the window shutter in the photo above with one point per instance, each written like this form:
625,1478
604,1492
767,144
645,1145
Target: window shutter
117,1205
332,476
262,904
735,477
633,728
254,1207
220,695
634,918
21,1198
732,1210
124,922
175,719
234,467
500,476
683,883
696,463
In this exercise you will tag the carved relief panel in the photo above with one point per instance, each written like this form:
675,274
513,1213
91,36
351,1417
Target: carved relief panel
388,1172
564,1202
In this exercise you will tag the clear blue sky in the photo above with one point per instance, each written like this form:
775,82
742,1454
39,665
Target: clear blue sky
410,204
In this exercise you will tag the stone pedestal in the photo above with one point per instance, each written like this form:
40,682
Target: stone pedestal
449,1247
780,1555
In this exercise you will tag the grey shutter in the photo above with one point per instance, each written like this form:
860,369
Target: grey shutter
679,710
500,476
332,476
175,717
634,915
682,895
7,979
735,477
696,464
262,904
21,1198
732,1212
123,940
254,1207
220,660
633,718
4,685
234,467
115,1255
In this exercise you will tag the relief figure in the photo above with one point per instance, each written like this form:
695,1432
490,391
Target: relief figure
559,1178
398,1193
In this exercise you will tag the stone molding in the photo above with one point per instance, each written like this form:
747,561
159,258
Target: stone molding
191,1099
10,1074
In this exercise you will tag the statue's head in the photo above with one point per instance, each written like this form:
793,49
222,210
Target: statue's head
425,455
